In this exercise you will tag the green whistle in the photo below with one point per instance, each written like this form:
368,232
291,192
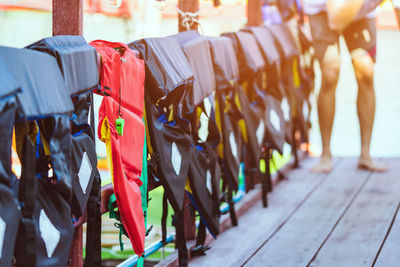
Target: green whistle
119,126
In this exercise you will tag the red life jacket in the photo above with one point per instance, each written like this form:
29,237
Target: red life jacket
122,78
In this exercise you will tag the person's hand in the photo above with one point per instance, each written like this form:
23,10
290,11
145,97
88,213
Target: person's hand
342,12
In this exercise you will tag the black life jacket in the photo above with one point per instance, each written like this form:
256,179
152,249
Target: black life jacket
168,96
169,79
227,116
293,82
252,104
46,231
274,117
9,207
204,174
77,61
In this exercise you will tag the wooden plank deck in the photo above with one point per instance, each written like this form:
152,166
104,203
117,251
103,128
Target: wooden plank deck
346,218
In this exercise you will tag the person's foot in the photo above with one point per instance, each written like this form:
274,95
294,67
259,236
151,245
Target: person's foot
323,166
370,165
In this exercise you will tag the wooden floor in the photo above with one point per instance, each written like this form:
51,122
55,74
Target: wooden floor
346,218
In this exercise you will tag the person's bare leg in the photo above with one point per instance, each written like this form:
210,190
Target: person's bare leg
364,70
330,68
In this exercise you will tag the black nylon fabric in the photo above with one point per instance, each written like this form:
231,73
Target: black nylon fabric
167,69
168,86
287,52
253,117
44,98
82,104
39,78
269,48
57,210
277,85
275,128
83,153
204,177
93,230
307,70
164,135
224,61
215,171
207,117
250,52
248,56
251,69
9,219
288,108
83,156
25,249
9,85
75,57
296,96
227,73
231,139
46,208
197,51
267,44
56,131
77,61
8,112
254,67
180,240
304,109
286,40
274,118
9,208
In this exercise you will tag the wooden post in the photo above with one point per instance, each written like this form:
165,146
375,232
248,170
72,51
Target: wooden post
187,6
76,257
67,17
254,13
397,13
68,20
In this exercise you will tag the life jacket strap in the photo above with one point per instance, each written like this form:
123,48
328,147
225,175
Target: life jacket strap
93,231
201,234
26,241
232,212
180,239
200,249
114,214
164,220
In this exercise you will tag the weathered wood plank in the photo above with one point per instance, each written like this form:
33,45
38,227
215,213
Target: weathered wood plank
248,201
297,241
358,236
234,246
390,253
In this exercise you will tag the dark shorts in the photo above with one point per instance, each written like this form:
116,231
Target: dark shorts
359,34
